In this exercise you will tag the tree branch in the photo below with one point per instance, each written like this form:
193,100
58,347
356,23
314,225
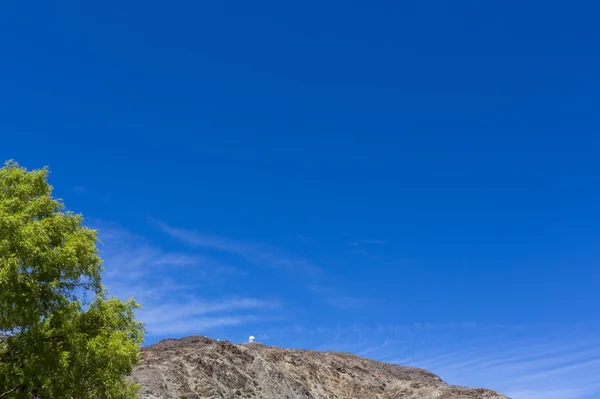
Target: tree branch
11,391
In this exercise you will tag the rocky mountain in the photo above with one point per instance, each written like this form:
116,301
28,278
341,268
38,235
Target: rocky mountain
199,367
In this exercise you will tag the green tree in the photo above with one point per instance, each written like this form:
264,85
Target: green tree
61,335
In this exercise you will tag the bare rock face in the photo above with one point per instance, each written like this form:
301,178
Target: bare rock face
199,367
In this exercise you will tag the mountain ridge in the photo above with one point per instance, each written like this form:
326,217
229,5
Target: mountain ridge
198,367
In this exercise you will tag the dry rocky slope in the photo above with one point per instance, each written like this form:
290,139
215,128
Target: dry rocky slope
199,367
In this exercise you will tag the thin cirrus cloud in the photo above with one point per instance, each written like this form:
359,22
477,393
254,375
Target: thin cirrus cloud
560,361
127,255
261,255
191,317
511,359
166,284
197,325
320,282
330,293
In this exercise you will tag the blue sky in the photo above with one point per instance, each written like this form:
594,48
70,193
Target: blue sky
417,182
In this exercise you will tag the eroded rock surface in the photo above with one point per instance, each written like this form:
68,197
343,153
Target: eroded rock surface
199,367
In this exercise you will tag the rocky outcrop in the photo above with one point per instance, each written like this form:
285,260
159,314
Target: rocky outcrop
199,367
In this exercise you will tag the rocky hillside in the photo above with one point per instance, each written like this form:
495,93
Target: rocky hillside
198,367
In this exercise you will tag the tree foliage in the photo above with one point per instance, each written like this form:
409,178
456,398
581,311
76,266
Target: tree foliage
63,337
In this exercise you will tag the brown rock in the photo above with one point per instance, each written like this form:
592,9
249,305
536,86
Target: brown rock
199,367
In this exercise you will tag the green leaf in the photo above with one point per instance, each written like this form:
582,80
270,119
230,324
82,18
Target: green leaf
52,343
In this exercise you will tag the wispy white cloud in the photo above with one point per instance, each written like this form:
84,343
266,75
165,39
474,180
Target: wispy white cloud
523,362
259,254
129,255
170,311
174,259
325,285
189,317
197,325
524,368
167,283
548,361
